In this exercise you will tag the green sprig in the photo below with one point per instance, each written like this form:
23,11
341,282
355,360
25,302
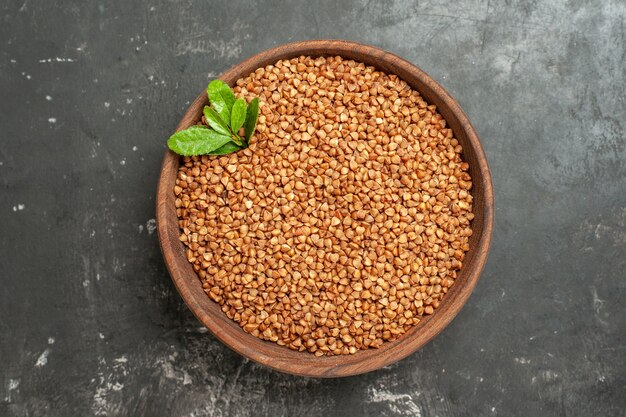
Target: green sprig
225,116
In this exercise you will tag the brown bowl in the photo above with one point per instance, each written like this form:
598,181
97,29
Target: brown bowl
305,363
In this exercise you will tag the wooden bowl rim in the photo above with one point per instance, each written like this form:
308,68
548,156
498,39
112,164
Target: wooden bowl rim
304,363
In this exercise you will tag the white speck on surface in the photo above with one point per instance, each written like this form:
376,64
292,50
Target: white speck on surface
86,283
12,386
107,104
56,59
152,8
150,77
151,226
135,149
13,61
493,409
97,277
52,120
523,361
42,360
129,100
121,359
140,228
123,162
549,375
19,207
49,98
100,335
51,340
202,330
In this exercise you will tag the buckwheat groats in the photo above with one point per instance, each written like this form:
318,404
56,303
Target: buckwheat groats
344,222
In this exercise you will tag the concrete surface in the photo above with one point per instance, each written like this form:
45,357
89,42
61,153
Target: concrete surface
90,322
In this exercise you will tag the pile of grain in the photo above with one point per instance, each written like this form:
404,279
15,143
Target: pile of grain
344,222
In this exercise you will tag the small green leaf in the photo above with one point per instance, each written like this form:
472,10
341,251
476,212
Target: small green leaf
251,118
238,115
215,121
196,140
230,147
221,98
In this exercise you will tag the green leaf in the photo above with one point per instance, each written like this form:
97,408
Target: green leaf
230,147
238,115
238,141
215,121
196,140
251,118
221,98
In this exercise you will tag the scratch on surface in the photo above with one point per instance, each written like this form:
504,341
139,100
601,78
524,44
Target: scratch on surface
598,305
218,48
170,373
483,37
56,59
505,66
224,49
229,394
400,404
105,401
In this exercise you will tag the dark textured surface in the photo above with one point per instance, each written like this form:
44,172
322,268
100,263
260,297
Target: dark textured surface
90,322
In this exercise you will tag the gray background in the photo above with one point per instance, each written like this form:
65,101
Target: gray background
90,323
